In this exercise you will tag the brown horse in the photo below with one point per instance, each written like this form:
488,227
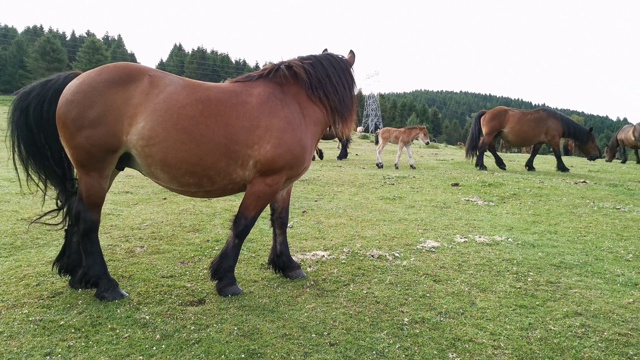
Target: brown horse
75,132
522,128
627,137
403,137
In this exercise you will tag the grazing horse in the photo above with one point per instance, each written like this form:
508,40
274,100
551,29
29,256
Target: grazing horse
627,137
344,145
75,132
403,137
522,128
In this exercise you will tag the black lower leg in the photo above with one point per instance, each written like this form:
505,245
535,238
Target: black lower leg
222,268
93,273
280,259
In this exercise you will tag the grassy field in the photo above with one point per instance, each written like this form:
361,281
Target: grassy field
442,262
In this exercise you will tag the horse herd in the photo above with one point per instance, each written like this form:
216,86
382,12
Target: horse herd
526,129
74,132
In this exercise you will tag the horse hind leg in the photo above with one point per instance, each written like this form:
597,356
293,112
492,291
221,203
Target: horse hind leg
635,151
379,154
496,157
81,256
280,259
410,154
534,151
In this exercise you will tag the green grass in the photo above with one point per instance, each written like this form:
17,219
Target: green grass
547,269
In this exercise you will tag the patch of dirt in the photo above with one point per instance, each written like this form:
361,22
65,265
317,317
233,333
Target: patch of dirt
477,200
429,245
480,238
314,255
375,254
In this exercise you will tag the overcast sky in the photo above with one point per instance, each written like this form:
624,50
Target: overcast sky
582,55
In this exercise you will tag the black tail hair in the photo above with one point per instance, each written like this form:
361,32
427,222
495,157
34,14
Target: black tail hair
471,147
36,145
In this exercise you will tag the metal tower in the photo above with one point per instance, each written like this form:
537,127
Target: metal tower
372,117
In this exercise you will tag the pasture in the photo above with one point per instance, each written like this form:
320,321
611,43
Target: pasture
443,262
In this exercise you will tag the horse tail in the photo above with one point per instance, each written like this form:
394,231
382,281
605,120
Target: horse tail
375,138
36,145
471,147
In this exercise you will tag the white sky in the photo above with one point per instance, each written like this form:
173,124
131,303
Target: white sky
576,54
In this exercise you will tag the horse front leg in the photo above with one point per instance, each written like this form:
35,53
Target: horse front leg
410,154
280,259
344,149
259,193
635,151
623,150
534,151
559,163
400,147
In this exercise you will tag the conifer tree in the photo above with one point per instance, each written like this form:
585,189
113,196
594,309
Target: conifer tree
47,57
92,54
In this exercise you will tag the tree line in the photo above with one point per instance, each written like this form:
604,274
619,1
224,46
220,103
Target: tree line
35,53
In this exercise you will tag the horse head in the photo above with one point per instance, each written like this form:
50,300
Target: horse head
590,149
424,135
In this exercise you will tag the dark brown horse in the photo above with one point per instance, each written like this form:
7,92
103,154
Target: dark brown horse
520,128
344,145
75,132
404,137
627,137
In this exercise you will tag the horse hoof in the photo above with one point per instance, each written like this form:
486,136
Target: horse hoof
530,168
232,290
379,165
295,275
503,167
413,167
396,166
112,294
482,168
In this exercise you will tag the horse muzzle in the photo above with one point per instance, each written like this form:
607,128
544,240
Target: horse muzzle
427,142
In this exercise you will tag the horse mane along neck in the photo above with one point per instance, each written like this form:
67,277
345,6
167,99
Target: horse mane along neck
570,128
326,78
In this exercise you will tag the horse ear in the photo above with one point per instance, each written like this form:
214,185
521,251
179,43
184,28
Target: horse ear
325,51
591,129
351,57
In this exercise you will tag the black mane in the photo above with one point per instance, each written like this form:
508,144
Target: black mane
327,78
